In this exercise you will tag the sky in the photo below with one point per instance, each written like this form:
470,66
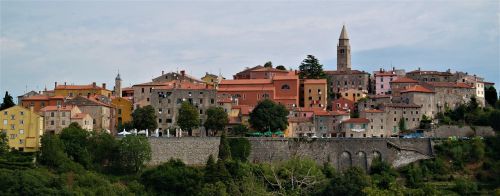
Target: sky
83,42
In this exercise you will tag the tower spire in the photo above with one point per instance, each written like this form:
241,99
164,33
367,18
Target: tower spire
343,34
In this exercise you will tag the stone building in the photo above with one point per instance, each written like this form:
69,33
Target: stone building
344,78
177,76
328,123
450,94
431,76
373,102
38,102
167,99
59,117
301,127
354,127
399,84
421,96
410,113
377,126
101,111
124,108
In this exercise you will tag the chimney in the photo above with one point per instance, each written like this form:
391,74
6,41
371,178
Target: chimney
380,69
162,72
393,68
55,85
418,68
94,84
64,83
183,72
104,85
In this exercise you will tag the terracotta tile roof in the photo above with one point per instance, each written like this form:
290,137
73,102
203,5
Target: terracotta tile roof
403,80
291,76
57,108
79,87
184,85
373,111
264,69
79,115
249,88
314,81
401,105
36,98
343,99
127,89
57,97
244,109
450,84
356,120
416,88
336,72
246,81
378,96
151,84
430,72
234,120
339,113
385,73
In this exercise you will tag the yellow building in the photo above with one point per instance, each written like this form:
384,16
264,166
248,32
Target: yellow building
124,109
354,94
314,93
212,79
81,90
23,128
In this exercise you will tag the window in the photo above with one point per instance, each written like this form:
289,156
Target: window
13,136
285,87
119,111
201,93
265,96
168,120
93,121
168,111
21,122
51,114
159,120
394,119
201,101
201,111
63,122
5,122
63,114
21,113
212,101
142,90
51,122
21,131
5,113
12,117
351,126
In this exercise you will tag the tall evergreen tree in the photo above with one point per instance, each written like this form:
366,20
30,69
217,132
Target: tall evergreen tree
224,149
490,95
310,68
7,101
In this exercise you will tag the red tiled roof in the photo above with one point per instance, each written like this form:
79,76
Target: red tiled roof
416,88
234,120
339,113
450,84
78,87
249,88
244,109
356,120
403,80
246,81
36,98
184,85
314,81
430,72
57,108
291,76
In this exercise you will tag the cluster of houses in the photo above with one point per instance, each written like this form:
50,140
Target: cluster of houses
318,107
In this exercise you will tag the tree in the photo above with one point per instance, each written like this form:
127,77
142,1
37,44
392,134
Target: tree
402,124
75,140
217,119
188,117
383,174
145,118
281,67
269,116
351,182
268,64
490,95
103,147
239,130
240,148
52,151
310,68
494,122
7,101
134,151
172,178
425,123
224,149
4,143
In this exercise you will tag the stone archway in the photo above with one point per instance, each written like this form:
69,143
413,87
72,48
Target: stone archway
345,160
376,155
362,161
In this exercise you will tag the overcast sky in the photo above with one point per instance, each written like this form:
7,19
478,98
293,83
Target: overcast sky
82,42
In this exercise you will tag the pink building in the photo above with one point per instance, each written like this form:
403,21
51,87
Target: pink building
383,79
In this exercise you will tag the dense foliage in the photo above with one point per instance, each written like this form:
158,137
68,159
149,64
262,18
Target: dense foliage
143,118
217,119
188,117
310,68
269,116
7,101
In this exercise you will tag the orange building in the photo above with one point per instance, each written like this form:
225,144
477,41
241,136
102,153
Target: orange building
313,93
81,90
40,101
281,89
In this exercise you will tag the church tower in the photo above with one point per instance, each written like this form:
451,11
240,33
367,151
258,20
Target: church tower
118,86
343,52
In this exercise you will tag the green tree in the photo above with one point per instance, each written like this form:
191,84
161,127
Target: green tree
7,101
224,149
351,182
425,122
239,130
4,143
188,118
210,170
144,118
490,95
281,67
240,148
310,68
104,148
217,119
494,122
75,140
134,151
465,187
52,151
172,178
383,174
268,64
402,124
269,116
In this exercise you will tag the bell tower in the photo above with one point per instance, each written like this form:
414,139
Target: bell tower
117,92
343,52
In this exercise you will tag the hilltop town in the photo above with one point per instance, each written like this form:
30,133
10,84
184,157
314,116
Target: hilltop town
345,103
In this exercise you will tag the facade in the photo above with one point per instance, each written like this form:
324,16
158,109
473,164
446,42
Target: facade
382,81
124,108
71,91
245,74
25,95
342,81
38,102
450,94
167,99
328,123
142,93
176,76
354,127
410,113
56,118
354,95
281,89
399,84
431,76
23,127
343,104
103,114
421,96
373,102
212,79
377,125
300,127
314,93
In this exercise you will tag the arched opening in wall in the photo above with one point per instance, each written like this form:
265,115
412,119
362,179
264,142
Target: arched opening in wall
361,160
376,155
345,160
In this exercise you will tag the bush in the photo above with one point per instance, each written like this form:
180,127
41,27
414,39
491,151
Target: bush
465,187
172,178
240,148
